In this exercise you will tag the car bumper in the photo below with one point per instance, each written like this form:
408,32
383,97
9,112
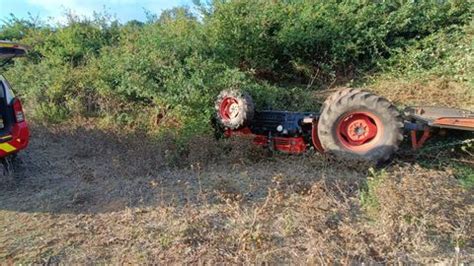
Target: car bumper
16,141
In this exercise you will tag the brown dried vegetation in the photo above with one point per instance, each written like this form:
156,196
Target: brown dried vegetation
85,194
431,91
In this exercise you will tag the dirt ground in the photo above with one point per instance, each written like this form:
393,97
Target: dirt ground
83,194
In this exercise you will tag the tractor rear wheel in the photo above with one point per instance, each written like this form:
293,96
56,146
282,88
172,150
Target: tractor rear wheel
338,94
234,108
360,126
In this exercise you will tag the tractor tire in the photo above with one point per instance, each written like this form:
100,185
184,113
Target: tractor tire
234,108
360,126
336,95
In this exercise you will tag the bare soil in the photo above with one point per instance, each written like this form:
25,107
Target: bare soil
85,194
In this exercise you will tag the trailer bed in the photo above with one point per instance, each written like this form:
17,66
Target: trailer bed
441,117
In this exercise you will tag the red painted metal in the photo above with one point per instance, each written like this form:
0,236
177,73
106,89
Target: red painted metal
238,132
228,108
464,122
260,140
19,135
19,139
359,131
292,145
417,144
315,137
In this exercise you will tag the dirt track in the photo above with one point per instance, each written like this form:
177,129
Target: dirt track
82,194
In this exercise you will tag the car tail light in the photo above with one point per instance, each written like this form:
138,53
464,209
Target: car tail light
18,110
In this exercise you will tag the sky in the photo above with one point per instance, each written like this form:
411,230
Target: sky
123,10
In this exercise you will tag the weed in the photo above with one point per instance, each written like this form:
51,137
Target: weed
368,197
464,173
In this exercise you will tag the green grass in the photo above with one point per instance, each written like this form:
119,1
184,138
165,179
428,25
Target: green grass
368,197
453,154
464,173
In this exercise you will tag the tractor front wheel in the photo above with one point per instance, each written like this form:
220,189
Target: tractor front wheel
234,109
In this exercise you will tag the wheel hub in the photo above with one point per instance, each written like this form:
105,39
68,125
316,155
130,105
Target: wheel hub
357,129
229,108
233,110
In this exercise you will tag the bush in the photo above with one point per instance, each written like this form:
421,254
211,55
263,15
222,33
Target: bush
166,72
307,38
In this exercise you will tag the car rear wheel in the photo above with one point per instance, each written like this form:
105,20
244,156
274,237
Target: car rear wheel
362,126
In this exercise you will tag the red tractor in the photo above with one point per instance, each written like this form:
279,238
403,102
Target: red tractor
353,124
14,132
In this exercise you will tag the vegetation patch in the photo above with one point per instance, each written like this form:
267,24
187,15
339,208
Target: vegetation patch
166,72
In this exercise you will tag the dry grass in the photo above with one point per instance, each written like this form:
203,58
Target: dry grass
436,91
89,195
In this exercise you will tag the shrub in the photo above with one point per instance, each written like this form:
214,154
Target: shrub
165,73
290,38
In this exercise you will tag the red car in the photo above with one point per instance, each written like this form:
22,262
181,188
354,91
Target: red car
14,132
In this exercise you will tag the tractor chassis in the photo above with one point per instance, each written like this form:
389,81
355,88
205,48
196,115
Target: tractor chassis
288,132
295,132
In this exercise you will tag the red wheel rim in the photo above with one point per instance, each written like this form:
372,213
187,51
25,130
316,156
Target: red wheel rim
229,108
359,131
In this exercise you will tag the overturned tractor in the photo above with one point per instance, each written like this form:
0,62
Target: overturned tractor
352,124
